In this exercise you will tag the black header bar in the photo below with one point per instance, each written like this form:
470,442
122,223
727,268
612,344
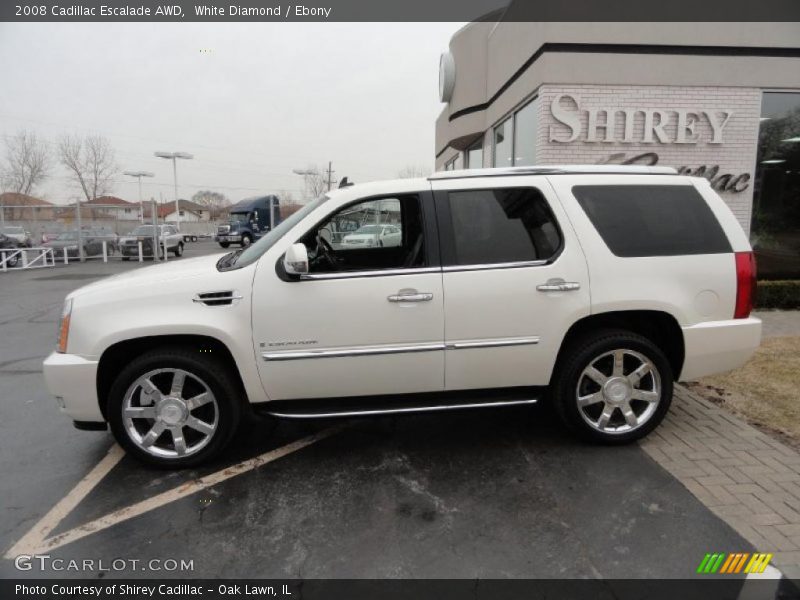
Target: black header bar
398,10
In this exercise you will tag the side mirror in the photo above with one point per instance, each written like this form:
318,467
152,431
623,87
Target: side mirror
295,261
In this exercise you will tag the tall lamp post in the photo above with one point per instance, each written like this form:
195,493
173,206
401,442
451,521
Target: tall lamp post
174,156
139,175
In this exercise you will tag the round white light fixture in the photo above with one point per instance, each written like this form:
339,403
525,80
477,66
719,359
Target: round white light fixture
447,76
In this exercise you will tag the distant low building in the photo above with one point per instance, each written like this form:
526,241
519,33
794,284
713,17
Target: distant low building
112,207
189,212
24,207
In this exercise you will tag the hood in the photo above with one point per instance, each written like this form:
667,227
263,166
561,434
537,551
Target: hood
169,273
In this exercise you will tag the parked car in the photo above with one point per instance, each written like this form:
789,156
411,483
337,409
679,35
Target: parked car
69,241
129,244
19,234
594,287
370,236
105,235
11,259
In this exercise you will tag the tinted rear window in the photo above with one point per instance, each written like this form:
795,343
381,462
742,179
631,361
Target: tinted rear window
652,220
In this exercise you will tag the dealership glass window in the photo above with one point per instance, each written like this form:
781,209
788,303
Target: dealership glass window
454,163
525,126
775,229
474,155
502,145
501,226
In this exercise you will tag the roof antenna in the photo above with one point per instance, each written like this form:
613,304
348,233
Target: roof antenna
344,183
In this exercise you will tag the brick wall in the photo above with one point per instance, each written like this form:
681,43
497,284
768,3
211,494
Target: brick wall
735,155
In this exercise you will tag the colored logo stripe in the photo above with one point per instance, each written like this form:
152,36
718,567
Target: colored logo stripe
721,562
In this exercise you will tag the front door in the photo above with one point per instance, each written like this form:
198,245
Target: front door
367,319
515,280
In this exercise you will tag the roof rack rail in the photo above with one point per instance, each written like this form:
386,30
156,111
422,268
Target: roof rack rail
554,170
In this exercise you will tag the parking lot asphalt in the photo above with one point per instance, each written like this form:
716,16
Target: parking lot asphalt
488,494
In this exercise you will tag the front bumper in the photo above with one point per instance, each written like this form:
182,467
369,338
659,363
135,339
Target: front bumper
229,237
73,380
719,346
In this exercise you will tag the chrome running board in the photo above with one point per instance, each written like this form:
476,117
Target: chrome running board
400,410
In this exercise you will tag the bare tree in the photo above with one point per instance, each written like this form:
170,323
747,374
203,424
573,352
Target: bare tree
288,204
26,163
213,201
315,182
90,160
413,171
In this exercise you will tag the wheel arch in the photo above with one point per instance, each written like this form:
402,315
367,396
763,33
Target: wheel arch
116,356
659,327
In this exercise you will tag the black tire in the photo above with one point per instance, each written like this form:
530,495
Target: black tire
246,241
224,244
582,353
12,260
178,250
215,375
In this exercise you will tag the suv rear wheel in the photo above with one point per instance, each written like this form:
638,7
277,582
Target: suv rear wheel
613,387
178,250
173,408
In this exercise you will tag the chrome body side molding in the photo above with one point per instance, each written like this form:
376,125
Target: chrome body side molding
403,410
397,349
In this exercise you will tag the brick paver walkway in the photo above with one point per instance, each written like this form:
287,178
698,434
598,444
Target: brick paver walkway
745,477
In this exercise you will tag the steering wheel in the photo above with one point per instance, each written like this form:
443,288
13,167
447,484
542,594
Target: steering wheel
325,249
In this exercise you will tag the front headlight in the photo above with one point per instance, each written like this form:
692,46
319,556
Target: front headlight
63,326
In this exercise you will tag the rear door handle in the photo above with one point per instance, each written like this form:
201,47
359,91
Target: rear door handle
415,297
558,285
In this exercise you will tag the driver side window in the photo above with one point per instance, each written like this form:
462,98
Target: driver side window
375,234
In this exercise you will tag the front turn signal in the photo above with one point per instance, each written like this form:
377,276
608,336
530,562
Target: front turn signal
63,326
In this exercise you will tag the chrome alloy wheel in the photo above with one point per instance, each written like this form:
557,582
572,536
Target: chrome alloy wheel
172,424
619,391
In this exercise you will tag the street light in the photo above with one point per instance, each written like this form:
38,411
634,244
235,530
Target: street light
304,173
139,175
174,156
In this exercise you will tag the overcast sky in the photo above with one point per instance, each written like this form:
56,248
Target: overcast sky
261,100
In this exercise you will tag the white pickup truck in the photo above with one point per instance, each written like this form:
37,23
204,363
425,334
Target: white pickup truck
593,287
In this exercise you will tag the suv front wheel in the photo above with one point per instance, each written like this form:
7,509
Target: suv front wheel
173,408
613,387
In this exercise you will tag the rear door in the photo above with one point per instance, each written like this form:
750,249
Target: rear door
514,277
652,243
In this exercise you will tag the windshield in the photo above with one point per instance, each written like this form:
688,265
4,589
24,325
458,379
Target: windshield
68,235
238,217
370,229
254,252
14,230
143,230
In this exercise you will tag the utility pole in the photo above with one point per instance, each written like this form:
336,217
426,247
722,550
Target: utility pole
330,173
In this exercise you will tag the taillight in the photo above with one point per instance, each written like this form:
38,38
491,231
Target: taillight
745,284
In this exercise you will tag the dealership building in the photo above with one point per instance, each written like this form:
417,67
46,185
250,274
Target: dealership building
718,100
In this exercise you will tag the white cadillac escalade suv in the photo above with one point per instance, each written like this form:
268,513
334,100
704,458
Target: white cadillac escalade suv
595,287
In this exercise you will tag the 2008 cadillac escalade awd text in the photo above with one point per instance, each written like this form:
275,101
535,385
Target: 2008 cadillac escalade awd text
594,287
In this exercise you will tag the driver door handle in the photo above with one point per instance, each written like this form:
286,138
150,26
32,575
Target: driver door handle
415,297
558,285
